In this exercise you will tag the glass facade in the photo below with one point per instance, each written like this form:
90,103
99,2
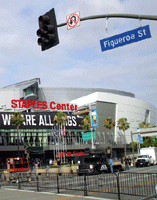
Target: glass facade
30,90
39,137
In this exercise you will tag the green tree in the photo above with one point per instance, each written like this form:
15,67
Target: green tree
109,123
147,142
60,120
144,125
17,119
134,145
86,123
122,124
155,142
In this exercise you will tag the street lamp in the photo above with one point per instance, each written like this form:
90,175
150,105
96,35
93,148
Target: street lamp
90,107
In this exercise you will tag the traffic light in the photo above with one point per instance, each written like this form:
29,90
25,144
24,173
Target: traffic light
47,32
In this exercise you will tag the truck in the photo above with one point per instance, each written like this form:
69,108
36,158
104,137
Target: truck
147,157
95,163
18,169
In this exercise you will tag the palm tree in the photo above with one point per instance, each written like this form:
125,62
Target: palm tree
123,125
17,119
86,123
87,126
144,125
108,124
60,119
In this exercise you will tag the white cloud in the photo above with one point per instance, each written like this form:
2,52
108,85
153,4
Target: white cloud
78,61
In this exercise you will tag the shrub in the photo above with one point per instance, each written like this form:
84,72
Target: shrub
41,168
75,165
66,165
54,166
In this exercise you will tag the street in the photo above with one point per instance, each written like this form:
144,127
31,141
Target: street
150,169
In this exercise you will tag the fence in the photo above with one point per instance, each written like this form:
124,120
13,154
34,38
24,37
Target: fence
125,183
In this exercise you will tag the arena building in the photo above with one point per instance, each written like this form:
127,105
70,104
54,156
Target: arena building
39,106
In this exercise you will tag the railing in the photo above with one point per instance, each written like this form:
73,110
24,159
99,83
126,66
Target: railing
134,184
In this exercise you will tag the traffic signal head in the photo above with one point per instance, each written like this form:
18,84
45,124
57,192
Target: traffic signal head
47,32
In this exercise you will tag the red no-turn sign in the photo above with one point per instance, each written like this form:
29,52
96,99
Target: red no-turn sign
73,20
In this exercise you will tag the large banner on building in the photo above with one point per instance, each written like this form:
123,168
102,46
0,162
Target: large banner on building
39,120
95,122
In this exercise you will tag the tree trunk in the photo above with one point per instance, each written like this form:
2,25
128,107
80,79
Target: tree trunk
18,142
125,144
111,142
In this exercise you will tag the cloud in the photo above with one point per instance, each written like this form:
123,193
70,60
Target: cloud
78,61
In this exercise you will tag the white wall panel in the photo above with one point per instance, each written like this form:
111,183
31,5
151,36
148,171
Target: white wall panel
126,107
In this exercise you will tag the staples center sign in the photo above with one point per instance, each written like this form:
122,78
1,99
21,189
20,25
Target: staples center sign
42,105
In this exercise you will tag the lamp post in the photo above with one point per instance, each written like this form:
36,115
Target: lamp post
91,129
93,147
132,148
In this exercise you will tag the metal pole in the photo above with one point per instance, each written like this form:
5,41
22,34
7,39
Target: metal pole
52,136
37,178
85,186
65,141
18,142
92,139
132,148
107,26
139,147
117,175
91,127
19,183
57,182
133,16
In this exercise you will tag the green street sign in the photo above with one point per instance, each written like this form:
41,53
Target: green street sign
88,136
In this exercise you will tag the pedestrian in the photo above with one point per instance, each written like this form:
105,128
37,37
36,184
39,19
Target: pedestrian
122,161
129,160
58,162
50,162
111,165
39,164
126,164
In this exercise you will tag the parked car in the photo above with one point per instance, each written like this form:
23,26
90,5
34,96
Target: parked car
95,163
143,160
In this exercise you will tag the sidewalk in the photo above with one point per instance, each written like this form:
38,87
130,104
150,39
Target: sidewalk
15,194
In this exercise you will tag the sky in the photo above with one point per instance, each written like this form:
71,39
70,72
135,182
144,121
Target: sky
77,61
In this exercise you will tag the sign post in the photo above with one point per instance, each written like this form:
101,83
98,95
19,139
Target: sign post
87,136
73,20
94,122
128,37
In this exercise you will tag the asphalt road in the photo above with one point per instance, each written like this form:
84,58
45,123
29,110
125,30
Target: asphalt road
150,169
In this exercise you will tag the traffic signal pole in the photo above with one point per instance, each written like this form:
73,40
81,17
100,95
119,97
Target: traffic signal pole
48,34
132,16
